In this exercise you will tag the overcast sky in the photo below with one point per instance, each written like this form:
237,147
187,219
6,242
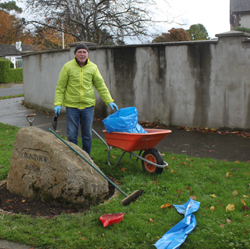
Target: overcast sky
213,14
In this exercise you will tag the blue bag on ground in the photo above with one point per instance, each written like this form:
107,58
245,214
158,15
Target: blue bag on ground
124,120
174,237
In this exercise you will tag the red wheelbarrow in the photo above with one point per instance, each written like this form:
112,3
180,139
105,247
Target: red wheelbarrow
152,160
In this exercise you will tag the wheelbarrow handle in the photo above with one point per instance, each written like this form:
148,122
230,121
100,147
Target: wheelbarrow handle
109,147
100,137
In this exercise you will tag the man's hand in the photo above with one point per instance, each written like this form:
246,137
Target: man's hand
57,109
113,105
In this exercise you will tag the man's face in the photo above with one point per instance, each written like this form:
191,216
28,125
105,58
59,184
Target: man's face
82,55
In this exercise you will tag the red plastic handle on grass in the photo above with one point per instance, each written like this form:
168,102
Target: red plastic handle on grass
109,219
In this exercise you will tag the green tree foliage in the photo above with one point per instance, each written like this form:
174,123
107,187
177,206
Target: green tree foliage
198,32
173,36
11,5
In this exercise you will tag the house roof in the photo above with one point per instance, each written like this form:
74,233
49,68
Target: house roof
10,50
239,6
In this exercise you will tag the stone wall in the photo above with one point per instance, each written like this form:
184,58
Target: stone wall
199,83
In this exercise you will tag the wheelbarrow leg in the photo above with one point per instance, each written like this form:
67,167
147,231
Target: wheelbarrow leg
139,155
120,158
109,149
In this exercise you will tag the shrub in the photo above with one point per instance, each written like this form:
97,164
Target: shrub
247,30
9,74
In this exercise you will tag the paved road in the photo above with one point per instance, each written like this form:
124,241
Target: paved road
4,244
16,89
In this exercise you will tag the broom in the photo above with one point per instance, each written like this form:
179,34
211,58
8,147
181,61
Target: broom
128,198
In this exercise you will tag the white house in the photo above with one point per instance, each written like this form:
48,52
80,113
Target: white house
14,52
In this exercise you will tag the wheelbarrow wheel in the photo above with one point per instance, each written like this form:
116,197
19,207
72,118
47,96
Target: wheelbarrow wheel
154,156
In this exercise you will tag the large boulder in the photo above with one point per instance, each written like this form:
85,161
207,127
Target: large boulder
45,168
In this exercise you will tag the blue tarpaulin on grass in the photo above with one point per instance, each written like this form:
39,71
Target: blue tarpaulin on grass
174,237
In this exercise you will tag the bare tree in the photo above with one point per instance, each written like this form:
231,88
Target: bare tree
96,21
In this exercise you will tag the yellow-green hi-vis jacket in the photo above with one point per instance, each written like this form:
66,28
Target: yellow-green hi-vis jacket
75,86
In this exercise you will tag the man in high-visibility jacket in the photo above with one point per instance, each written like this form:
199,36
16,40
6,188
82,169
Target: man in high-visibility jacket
75,90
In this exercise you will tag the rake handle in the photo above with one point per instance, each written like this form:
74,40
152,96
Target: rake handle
88,163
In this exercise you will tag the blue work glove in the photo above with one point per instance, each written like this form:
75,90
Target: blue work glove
113,105
57,109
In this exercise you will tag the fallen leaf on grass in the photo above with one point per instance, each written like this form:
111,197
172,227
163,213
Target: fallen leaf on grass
245,208
212,208
246,173
230,207
173,171
168,205
243,202
193,197
229,221
235,169
227,174
245,196
123,169
113,156
213,195
222,225
151,220
235,192
179,191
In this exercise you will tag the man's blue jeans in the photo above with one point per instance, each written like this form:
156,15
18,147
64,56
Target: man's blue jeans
85,117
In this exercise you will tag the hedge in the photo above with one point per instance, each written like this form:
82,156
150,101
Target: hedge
8,74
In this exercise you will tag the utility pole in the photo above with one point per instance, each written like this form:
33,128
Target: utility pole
62,37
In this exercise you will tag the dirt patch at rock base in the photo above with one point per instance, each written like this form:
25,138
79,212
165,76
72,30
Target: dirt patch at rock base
15,204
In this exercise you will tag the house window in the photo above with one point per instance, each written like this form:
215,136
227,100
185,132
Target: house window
19,62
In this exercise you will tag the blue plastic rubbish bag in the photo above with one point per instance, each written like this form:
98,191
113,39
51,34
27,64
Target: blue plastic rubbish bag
124,120
174,237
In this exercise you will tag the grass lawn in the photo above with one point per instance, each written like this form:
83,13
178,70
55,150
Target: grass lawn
215,184
12,96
